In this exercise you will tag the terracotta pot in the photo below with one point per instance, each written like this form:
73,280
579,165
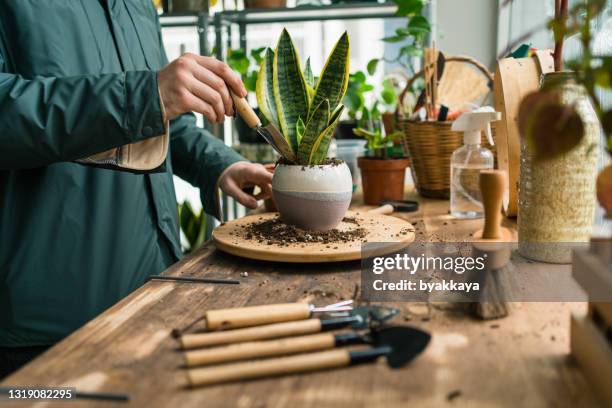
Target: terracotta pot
312,197
265,3
382,179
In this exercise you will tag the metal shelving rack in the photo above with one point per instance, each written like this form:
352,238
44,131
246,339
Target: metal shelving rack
222,23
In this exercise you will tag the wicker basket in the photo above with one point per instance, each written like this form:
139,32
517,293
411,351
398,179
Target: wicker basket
431,144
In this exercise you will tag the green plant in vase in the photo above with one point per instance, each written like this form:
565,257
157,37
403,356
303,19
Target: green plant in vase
545,109
561,131
310,190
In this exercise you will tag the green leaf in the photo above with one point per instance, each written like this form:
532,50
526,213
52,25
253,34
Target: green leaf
372,65
334,78
411,50
256,54
418,24
308,76
265,88
250,81
314,128
409,7
394,38
322,144
300,127
238,61
388,94
290,93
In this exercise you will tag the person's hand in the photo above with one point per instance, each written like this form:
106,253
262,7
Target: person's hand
244,174
196,83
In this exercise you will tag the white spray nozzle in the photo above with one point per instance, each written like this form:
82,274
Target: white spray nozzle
472,123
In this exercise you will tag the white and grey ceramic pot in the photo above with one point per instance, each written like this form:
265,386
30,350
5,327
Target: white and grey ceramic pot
312,197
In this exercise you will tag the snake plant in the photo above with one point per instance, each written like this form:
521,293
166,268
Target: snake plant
304,108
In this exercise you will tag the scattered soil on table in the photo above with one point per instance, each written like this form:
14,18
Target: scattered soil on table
276,232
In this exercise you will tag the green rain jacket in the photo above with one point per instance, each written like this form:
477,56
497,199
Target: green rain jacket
78,77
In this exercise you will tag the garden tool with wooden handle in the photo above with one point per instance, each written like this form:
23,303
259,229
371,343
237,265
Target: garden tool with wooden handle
291,345
399,348
266,314
361,318
269,132
493,244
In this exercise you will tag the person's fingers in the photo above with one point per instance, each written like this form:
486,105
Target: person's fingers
211,79
232,189
209,95
231,78
198,105
263,195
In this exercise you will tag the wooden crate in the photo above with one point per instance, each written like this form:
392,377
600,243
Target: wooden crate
593,352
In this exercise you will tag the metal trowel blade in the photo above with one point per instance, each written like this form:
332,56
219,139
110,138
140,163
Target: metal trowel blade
275,138
405,342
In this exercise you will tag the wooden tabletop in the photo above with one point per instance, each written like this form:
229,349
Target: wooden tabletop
521,360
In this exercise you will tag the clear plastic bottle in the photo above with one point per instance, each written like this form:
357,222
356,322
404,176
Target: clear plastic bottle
466,164
469,160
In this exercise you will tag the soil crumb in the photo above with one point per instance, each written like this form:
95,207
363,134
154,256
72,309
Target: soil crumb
276,232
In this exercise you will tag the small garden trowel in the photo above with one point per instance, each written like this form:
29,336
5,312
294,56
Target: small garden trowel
399,347
363,317
269,132
296,345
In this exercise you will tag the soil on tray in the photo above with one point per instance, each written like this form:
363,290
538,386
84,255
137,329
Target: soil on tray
276,232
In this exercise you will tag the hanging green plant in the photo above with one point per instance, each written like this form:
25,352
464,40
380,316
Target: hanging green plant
304,108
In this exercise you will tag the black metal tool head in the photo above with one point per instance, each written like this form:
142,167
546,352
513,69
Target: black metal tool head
373,316
405,343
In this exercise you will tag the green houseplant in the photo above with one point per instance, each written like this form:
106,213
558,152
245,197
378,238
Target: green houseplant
193,226
363,113
382,174
310,190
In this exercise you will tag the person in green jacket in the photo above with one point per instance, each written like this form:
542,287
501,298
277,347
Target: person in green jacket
78,78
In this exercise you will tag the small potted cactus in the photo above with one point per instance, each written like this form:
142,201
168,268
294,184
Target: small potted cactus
311,191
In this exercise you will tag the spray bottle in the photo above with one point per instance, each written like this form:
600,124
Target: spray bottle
469,160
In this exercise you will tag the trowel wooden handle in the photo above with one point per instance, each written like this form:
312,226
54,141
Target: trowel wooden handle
492,186
259,349
383,209
268,331
256,315
270,367
245,111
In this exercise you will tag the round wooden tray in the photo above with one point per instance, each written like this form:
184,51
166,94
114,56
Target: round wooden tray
381,228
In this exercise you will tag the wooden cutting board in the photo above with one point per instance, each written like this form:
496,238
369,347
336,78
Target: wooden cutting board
229,237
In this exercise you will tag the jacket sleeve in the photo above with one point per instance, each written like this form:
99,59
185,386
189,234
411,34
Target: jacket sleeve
44,120
197,156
